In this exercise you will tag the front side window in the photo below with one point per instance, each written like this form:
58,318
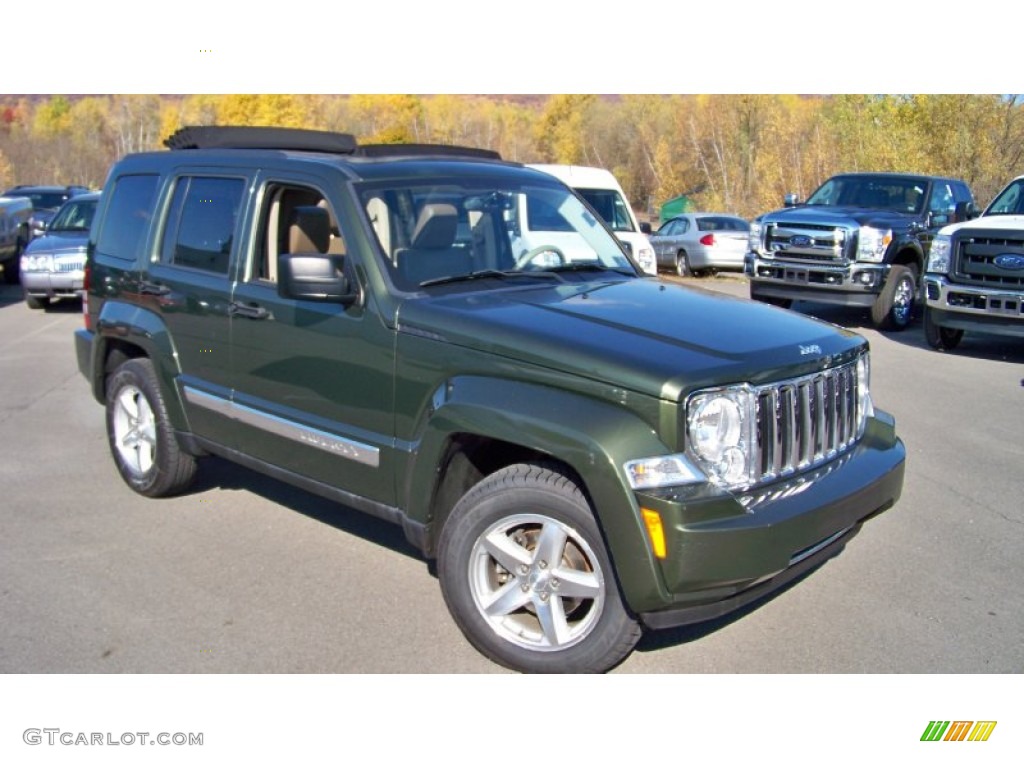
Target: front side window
200,228
441,230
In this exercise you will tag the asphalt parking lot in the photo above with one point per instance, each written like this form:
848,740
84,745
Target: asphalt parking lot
245,574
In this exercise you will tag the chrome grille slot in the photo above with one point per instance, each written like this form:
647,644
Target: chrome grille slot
975,253
807,421
809,242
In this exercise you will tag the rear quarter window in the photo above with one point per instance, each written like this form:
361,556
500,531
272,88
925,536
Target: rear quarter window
129,211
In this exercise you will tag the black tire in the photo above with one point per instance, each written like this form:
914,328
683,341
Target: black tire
942,339
893,310
527,508
142,441
12,270
683,265
36,302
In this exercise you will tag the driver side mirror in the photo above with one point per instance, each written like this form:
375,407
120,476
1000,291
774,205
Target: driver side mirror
791,200
315,277
645,228
966,211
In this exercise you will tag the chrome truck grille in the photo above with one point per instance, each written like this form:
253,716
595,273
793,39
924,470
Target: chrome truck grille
809,242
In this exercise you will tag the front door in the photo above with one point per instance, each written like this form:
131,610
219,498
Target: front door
313,381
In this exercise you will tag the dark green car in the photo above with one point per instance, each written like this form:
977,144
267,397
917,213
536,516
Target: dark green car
584,450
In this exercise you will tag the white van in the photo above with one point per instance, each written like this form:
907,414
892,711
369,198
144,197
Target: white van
601,189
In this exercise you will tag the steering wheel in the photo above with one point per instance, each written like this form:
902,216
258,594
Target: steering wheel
525,261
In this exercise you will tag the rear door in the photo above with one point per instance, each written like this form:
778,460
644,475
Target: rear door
188,282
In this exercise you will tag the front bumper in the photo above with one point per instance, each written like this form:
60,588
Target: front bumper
972,308
727,550
857,284
53,284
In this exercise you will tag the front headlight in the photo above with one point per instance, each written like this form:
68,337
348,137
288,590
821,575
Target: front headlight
661,472
872,243
41,263
754,239
720,425
645,258
938,254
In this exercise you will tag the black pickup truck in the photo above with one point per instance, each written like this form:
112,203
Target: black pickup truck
860,240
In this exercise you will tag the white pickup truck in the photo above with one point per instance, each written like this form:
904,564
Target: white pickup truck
14,215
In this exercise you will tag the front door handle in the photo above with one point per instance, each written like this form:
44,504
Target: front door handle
251,311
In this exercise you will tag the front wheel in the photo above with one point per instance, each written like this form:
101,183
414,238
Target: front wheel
36,302
142,440
526,576
938,337
893,310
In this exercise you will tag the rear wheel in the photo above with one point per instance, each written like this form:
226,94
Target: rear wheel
683,265
938,337
526,576
142,440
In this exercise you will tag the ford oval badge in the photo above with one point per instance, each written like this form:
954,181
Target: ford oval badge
1011,261
801,241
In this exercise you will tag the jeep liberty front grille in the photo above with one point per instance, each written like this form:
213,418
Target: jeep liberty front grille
807,421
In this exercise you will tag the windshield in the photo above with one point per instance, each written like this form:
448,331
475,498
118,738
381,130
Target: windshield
877,192
432,231
610,206
44,200
1009,201
75,216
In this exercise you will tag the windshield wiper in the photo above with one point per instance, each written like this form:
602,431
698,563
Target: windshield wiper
590,266
482,274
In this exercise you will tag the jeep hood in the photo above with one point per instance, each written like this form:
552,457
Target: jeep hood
642,335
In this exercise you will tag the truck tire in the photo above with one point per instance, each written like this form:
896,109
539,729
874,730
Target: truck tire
525,574
893,310
142,441
940,338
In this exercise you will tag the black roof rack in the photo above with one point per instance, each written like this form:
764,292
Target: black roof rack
260,137
265,137
407,150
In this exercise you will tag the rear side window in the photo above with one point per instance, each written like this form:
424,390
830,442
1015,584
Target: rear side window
200,228
129,211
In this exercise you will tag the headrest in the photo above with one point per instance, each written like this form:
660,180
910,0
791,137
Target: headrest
436,226
309,230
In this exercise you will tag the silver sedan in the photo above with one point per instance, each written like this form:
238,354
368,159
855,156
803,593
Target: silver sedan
691,243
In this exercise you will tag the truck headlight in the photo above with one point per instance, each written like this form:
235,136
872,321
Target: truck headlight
720,426
872,243
41,263
938,254
754,239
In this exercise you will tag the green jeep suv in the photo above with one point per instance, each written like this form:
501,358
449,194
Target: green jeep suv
584,450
